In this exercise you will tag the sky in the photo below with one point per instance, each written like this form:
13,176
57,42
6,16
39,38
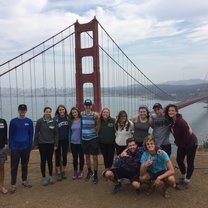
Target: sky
166,39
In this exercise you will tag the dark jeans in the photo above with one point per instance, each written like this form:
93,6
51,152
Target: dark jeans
16,155
107,151
46,154
166,148
120,149
77,152
61,151
190,155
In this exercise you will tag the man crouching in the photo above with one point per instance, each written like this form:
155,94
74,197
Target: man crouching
156,168
126,165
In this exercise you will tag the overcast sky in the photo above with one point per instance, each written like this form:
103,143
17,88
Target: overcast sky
166,39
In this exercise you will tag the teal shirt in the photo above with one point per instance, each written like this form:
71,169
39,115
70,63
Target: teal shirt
159,161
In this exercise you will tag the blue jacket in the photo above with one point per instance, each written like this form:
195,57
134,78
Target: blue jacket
20,133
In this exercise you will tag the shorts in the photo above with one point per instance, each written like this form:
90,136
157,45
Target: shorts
3,156
120,173
90,147
153,176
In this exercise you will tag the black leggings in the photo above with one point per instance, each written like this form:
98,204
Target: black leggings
77,151
190,155
107,151
46,154
61,150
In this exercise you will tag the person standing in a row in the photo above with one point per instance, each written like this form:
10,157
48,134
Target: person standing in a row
75,142
185,140
20,143
124,129
3,155
62,121
46,138
161,128
90,140
106,136
141,125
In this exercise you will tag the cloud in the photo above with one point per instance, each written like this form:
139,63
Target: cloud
199,34
154,26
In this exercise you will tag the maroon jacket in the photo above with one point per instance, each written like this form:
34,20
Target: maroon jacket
180,130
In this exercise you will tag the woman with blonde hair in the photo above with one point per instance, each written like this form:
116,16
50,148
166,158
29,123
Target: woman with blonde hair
106,137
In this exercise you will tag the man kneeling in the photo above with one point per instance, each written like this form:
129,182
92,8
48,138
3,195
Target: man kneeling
126,165
157,168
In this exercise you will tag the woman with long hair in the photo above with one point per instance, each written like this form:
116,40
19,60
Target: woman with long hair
62,121
124,129
106,137
185,140
75,142
46,138
141,125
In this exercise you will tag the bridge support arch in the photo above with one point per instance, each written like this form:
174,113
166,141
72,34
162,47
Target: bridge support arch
93,52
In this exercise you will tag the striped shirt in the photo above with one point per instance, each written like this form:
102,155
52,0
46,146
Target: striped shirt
88,126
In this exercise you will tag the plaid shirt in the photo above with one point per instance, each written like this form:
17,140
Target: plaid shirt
130,163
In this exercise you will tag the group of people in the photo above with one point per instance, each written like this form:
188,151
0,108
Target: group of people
142,158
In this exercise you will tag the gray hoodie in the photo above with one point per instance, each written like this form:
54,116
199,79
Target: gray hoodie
46,132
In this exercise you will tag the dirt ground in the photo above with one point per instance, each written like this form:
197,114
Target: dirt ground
78,193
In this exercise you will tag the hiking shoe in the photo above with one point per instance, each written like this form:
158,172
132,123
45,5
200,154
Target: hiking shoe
95,179
59,177
89,175
75,176
51,180
117,188
63,175
80,175
13,189
44,181
26,184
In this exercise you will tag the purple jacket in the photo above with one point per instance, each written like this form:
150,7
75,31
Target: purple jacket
180,130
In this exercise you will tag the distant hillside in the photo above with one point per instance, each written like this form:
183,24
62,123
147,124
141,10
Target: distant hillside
186,82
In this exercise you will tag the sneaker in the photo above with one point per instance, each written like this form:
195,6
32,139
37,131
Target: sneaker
26,184
59,177
186,185
44,181
51,180
63,175
80,175
75,176
13,189
89,175
117,188
95,179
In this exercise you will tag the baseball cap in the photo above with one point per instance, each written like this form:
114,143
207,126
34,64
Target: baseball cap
157,105
22,107
88,102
